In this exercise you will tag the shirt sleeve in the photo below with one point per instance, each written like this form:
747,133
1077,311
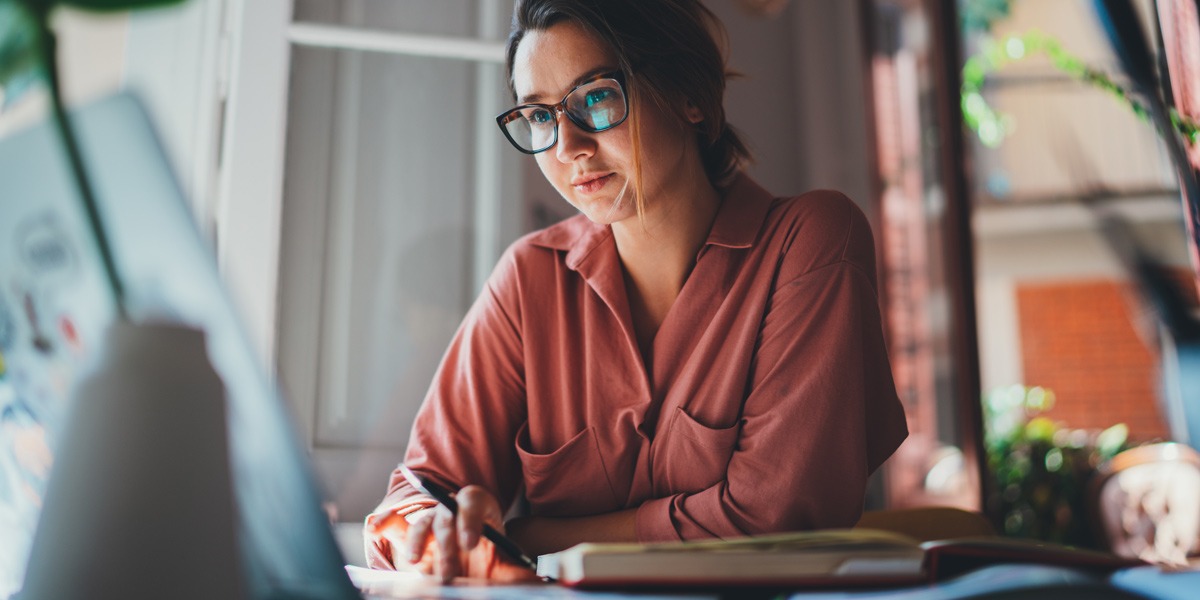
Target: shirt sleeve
821,413
463,433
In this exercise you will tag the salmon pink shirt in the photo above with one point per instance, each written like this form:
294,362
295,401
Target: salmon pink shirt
767,403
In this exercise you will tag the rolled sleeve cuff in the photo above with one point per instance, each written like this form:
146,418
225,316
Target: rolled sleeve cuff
652,521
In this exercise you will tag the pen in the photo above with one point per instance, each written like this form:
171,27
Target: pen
446,498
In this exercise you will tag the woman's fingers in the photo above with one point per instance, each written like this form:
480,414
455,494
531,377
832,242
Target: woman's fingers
475,507
450,559
442,543
416,539
383,534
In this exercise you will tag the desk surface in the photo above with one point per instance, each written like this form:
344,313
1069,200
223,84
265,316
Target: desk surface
999,581
401,585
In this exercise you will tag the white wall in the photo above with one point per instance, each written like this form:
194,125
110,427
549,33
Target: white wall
800,102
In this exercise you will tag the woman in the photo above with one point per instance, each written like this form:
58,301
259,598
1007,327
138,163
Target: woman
688,358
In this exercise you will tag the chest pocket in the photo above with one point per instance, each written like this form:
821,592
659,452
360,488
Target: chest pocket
570,481
692,456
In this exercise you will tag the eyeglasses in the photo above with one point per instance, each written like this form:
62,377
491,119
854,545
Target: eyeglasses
594,106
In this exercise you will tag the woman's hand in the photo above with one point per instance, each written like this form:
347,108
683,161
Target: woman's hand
441,543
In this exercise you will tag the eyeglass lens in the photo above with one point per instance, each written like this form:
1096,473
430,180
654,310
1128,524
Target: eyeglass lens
593,106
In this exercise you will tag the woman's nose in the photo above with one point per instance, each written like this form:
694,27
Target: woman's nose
573,142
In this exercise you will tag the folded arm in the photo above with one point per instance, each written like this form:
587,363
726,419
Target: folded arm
821,415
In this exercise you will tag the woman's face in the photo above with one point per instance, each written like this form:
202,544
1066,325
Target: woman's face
593,171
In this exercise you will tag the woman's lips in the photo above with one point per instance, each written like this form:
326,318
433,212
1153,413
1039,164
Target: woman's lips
591,186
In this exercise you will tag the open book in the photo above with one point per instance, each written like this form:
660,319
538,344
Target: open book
837,557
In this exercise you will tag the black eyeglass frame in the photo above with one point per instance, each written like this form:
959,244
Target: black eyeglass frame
507,116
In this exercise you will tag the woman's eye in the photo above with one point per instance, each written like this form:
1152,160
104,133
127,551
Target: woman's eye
595,97
540,117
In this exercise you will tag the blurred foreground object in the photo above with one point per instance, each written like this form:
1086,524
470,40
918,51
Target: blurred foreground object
1146,503
140,502
1127,37
28,52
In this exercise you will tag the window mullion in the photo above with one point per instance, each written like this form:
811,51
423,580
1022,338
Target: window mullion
391,42
488,228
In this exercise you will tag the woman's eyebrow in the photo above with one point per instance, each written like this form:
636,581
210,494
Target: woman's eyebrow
533,97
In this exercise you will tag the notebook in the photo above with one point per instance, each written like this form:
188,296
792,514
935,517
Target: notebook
811,558
55,307
845,558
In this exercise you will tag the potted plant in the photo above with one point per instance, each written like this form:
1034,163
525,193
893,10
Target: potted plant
1041,468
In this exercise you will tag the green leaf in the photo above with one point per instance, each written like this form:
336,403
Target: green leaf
1112,440
20,60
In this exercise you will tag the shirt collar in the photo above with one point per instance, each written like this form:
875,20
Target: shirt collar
744,206
578,235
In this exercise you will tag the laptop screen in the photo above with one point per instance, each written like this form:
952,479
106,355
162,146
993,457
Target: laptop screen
55,305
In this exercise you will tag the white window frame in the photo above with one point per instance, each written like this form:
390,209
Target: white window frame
250,177
248,214
248,210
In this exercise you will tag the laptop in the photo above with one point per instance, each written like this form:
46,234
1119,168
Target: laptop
56,306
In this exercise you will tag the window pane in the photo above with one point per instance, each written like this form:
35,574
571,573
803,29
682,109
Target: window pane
385,234
391,164
1046,271
1067,349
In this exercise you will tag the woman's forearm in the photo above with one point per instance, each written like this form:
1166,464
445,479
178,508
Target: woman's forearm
543,535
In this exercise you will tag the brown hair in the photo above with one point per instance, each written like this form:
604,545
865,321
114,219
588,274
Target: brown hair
671,52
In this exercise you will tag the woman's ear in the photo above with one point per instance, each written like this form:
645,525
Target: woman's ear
692,113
